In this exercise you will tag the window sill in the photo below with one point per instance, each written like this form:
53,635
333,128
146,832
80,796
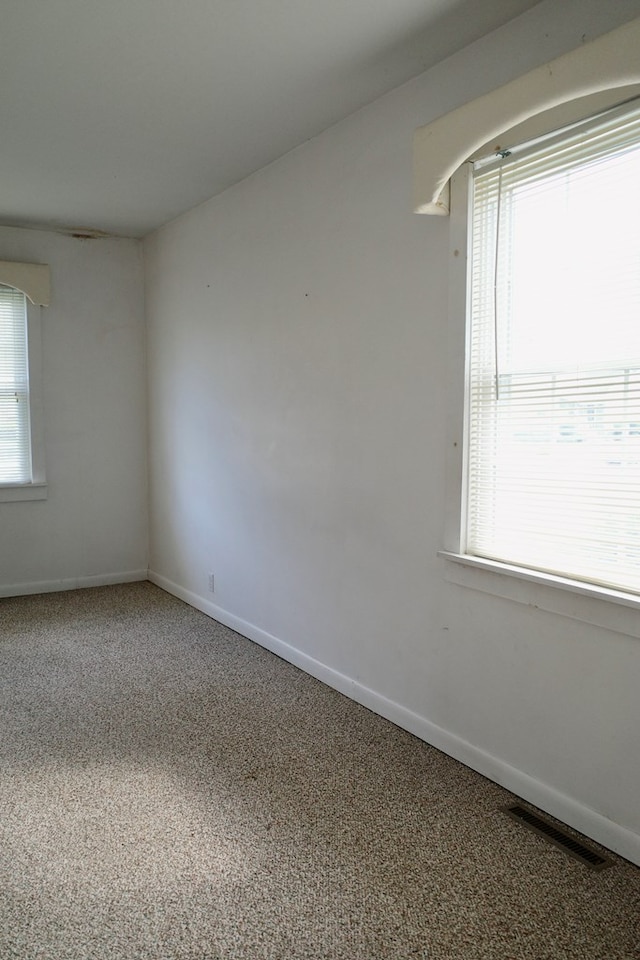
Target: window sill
589,603
23,491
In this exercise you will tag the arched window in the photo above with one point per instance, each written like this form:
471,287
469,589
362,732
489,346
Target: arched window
494,262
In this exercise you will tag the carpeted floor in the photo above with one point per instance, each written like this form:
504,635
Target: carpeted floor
170,790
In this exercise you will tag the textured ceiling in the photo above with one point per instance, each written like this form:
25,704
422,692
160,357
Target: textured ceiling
118,115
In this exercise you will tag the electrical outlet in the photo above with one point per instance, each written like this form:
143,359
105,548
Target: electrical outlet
212,585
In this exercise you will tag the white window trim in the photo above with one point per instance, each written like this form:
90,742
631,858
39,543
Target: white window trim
37,489
590,603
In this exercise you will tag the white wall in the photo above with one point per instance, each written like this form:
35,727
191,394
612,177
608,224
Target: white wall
297,394
93,526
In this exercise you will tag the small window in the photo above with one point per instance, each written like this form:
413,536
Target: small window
21,466
552,447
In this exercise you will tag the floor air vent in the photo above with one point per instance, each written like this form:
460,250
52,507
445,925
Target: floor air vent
564,840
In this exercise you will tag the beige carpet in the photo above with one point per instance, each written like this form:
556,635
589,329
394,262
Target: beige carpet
170,790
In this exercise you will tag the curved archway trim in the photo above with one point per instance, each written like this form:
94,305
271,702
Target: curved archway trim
33,279
608,62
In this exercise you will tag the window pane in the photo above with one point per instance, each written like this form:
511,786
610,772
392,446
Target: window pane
554,393
15,454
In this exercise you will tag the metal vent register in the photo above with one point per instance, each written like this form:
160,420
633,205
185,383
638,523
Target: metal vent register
559,837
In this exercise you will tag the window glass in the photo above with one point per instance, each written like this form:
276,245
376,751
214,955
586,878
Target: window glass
553,440
15,434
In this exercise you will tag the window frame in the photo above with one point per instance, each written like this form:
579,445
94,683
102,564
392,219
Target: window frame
603,606
37,488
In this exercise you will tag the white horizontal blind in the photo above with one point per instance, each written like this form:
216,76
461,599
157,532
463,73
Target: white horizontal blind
553,442
15,446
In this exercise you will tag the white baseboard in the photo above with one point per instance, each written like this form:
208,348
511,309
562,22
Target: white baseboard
559,805
71,583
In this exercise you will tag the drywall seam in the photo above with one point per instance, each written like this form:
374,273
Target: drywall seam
587,821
